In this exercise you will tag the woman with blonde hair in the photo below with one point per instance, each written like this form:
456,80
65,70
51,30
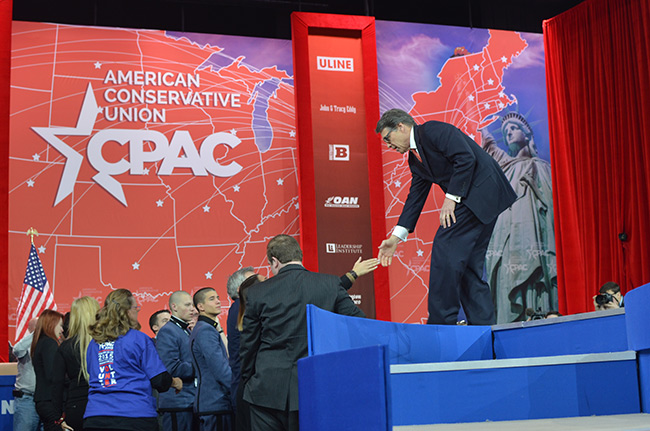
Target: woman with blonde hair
70,370
123,367
47,336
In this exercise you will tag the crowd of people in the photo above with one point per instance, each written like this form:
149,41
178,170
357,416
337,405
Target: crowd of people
93,369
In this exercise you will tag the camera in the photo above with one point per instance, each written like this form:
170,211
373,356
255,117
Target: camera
535,314
604,298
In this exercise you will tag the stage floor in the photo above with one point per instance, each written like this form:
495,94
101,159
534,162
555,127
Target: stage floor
633,422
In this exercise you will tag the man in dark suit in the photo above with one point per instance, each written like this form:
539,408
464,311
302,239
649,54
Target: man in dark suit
274,332
476,192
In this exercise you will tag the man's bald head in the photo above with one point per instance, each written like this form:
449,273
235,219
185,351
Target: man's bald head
180,304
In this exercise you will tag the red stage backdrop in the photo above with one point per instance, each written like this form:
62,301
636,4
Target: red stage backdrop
147,160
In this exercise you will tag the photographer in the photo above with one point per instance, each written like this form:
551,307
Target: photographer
609,297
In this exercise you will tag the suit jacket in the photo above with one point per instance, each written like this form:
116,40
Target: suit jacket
43,361
211,365
275,331
173,346
233,347
459,166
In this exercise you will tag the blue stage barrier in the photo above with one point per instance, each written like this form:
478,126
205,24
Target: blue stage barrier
596,332
345,390
638,335
406,343
7,402
549,388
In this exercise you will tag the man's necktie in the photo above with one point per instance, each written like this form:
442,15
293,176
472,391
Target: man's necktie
415,153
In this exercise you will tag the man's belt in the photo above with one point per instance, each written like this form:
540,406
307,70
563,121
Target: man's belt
17,393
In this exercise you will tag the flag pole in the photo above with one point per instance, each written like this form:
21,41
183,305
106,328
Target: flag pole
31,232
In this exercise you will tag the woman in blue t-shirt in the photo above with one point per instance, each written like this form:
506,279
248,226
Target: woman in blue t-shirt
123,367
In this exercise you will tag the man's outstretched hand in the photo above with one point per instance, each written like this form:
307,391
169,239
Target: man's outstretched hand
387,250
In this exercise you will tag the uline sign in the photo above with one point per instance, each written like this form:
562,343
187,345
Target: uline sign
336,64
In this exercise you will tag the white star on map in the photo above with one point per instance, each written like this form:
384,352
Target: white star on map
30,183
206,208
208,275
420,253
159,203
41,249
280,181
235,188
471,135
487,105
501,105
501,94
504,60
297,205
233,132
85,123
475,67
36,157
398,183
292,134
135,265
98,65
145,171
471,97
490,81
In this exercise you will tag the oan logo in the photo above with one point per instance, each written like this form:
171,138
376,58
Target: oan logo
342,202
339,152
180,152
336,64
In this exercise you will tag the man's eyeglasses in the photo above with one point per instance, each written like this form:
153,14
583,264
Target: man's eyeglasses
387,137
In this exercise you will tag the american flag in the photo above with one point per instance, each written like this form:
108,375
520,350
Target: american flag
36,295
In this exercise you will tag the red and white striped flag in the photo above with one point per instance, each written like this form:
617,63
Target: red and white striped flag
36,295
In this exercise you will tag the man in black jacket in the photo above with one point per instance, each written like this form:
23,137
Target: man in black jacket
476,192
275,332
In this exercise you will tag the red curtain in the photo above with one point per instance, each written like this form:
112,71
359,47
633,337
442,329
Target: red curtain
598,73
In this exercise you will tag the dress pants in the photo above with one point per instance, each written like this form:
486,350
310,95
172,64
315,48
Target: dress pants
456,277
266,419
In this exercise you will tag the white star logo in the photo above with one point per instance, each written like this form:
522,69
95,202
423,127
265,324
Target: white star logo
292,134
280,181
487,105
420,253
85,123
233,132
30,183
235,188
36,157
297,205
135,266
206,208
398,183
159,203
471,135
475,67
145,171
501,94
98,65
208,275
504,60
471,97
41,249
490,81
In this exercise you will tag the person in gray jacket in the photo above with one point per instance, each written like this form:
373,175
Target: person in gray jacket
173,346
212,403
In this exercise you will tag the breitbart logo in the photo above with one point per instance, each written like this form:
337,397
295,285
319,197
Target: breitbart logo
339,152
331,247
342,202
336,64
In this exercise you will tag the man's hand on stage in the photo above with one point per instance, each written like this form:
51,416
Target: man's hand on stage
447,216
363,267
387,250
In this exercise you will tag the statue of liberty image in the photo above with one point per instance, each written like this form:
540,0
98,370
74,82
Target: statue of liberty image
520,261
